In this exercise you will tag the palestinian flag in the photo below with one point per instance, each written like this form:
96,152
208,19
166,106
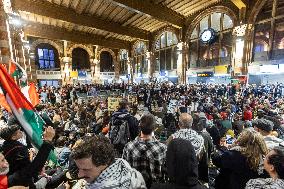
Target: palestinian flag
3,101
31,94
23,110
15,69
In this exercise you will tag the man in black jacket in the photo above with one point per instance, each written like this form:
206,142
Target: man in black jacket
21,169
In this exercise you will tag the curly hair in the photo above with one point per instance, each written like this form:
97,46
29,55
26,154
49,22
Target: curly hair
253,147
96,147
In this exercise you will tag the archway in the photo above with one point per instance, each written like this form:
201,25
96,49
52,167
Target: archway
80,59
106,62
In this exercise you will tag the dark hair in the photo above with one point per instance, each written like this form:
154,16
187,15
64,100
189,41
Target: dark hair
123,103
96,147
147,124
277,160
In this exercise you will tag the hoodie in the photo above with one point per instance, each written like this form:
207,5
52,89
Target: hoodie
182,166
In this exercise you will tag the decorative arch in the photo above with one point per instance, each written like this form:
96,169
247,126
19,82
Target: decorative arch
135,43
263,42
255,11
162,30
52,43
221,9
108,50
69,52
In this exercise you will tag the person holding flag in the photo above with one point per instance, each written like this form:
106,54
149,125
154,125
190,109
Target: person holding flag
23,110
19,170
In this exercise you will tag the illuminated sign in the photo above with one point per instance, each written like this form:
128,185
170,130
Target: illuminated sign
205,74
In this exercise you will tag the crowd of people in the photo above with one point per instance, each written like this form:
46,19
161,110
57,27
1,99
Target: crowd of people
171,136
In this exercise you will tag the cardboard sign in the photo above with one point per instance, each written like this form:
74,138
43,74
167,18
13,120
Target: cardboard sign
113,103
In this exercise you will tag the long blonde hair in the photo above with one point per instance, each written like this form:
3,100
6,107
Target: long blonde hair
252,146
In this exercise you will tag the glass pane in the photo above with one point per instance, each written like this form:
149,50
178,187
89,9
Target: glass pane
157,58
168,59
163,40
193,54
41,64
261,41
40,53
46,64
194,33
203,56
169,38
51,55
278,42
175,57
162,60
280,8
45,54
204,24
175,40
52,64
215,21
227,23
226,49
158,44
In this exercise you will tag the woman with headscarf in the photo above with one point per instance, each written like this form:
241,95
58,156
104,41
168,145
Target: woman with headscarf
182,167
242,162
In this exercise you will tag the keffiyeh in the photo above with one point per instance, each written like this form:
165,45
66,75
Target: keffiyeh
119,175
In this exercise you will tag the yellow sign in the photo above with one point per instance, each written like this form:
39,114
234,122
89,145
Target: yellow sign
74,74
220,69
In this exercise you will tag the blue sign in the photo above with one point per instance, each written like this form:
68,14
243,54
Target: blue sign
82,73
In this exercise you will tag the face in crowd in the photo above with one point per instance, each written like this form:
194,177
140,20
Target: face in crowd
4,165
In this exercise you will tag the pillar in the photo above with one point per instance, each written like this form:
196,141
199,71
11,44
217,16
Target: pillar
116,68
4,35
241,46
66,68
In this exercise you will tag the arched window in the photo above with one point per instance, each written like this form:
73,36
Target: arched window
218,52
47,57
166,51
269,32
140,64
123,61
106,62
80,59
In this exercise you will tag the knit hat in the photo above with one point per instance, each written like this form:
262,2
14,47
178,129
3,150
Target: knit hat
7,132
263,124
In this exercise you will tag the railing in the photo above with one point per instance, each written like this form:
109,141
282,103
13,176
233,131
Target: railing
107,73
42,72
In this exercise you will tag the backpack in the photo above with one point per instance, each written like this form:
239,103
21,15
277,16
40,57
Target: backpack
119,133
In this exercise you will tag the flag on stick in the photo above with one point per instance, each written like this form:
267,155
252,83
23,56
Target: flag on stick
23,110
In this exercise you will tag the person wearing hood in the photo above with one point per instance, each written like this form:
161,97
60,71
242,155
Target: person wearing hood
182,167
95,159
265,127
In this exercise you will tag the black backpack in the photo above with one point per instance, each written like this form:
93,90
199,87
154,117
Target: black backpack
119,133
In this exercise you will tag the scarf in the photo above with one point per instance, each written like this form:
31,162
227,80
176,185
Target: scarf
196,140
119,175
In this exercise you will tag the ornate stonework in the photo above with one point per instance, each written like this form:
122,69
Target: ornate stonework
197,19
54,44
85,47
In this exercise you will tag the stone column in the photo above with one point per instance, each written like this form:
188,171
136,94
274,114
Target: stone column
66,68
240,47
116,68
180,62
5,54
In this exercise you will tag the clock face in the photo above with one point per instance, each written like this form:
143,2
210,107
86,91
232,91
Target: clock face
207,36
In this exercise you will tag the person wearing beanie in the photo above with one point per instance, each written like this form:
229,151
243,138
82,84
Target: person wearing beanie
265,128
20,171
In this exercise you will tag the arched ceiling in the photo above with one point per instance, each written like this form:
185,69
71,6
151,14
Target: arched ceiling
110,23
